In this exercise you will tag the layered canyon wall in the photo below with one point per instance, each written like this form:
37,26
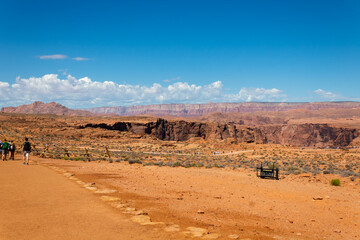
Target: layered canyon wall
318,135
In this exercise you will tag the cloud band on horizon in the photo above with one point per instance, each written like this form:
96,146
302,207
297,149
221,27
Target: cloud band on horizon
61,56
84,92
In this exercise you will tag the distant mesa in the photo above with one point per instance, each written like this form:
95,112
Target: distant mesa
196,110
208,110
45,108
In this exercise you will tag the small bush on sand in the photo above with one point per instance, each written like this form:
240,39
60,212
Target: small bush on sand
208,165
159,163
176,164
136,160
200,164
335,182
347,173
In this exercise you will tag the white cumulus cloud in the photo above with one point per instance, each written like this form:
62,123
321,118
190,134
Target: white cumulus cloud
52,57
4,84
327,95
84,92
80,59
258,94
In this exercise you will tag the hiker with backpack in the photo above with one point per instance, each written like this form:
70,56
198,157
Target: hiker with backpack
26,151
12,149
0,149
5,150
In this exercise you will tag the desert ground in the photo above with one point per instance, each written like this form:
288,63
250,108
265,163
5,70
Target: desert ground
39,203
155,189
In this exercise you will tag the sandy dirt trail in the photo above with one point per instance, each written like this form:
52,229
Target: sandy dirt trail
38,203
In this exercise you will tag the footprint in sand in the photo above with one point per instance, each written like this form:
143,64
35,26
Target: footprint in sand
110,199
145,220
119,205
104,191
91,188
196,232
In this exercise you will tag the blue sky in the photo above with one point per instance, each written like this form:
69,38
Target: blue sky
96,53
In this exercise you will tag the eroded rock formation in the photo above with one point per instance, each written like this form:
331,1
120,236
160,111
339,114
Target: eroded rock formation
294,134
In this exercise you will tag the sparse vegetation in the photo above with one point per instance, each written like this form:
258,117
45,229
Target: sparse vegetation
133,161
335,182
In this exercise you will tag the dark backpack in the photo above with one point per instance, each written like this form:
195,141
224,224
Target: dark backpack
27,146
5,145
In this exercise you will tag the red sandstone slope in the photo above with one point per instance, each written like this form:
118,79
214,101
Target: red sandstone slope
45,108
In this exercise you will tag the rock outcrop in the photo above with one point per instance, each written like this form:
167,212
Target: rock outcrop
305,135
319,135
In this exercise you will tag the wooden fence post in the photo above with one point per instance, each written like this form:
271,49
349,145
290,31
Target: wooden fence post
107,151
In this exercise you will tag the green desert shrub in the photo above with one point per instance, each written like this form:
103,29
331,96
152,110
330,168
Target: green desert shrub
176,164
159,163
148,164
335,182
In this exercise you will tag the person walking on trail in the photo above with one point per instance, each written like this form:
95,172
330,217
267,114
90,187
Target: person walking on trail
0,149
26,151
5,150
12,148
